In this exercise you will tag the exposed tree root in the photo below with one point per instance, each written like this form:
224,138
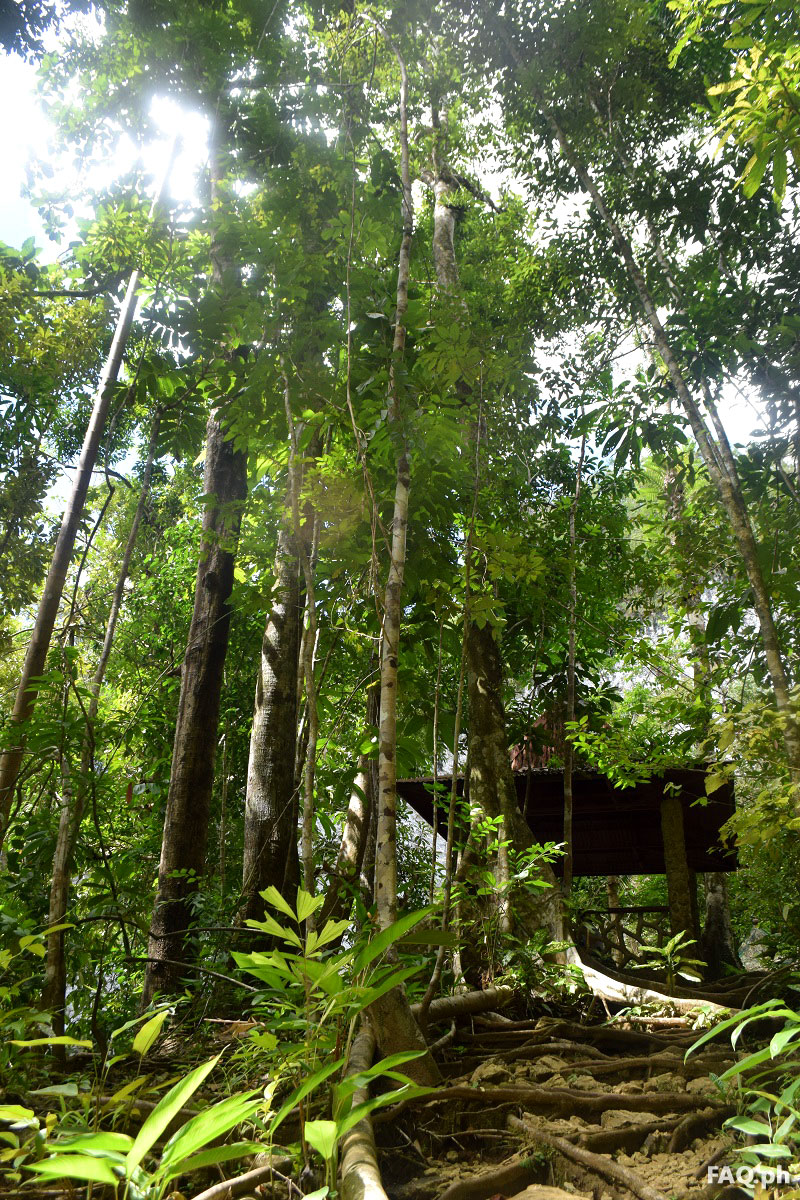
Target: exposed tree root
446,1008
628,1138
611,985
505,1180
229,1188
361,1176
603,1167
695,1125
669,1062
565,1102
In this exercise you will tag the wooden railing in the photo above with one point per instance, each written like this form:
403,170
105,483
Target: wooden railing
621,936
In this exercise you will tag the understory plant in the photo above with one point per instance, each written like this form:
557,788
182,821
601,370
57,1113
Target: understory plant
674,959
767,1081
307,1014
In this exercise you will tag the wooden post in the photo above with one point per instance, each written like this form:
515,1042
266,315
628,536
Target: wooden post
679,878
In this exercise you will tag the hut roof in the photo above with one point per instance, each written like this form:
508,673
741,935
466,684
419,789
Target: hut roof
616,831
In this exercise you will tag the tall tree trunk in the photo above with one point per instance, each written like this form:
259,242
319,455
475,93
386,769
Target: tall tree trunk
491,781
716,454
718,945
352,848
270,828
74,799
391,1015
191,784
569,752
36,655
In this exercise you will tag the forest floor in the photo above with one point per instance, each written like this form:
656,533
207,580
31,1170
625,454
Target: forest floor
549,1108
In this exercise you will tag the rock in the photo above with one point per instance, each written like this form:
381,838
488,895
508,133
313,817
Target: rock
615,1118
700,1085
452,1156
540,1191
489,1072
584,1083
552,1062
632,1087
666,1082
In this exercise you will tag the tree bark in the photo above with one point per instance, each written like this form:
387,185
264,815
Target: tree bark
270,830
569,752
72,805
491,782
36,656
183,848
352,848
718,946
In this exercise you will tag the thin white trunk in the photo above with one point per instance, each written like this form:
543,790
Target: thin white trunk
36,656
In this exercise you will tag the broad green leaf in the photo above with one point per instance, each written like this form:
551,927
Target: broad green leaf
387,937
57,1089
75,1166
747,1125
322,1135
61,1040
111,1143
217,1154
15,1112
148,1033
273,897
307,904
429,937
782,1039
209,1125
269,925
308,1085
330,931
166,1110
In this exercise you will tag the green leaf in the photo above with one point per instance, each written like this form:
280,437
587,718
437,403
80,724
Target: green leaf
166,1110
76,1166
209,1125
387,937
782,1039
429,937
307,904
269,925
111,1143
57,1089
149,1032
61,1040
218,1154
273,897
322,1135
747,1125
754,173
15,1112
308,1085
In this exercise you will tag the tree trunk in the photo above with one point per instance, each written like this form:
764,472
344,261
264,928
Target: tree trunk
395,1027
72,805
183,849
36,656
718,946
352,849
270,828
569,752
491,781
